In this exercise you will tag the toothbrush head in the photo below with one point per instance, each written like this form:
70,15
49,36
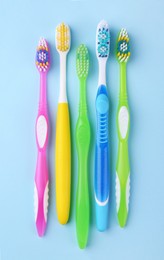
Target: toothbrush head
123,50
103,40
82,61
42,56
63,38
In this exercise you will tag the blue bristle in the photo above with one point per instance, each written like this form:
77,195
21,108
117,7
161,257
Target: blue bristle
42,56
103,42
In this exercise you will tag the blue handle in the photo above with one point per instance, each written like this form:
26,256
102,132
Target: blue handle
101,182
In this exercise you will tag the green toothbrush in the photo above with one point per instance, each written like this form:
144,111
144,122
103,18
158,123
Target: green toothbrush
82,143
123,168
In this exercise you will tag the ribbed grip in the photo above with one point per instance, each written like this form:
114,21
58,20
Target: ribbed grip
101,183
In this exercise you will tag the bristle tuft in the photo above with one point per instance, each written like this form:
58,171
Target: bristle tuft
82,61
103,40
62,37
123,50
42,56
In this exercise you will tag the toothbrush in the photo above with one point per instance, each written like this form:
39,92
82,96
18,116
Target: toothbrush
63,147
123,168
41,176
82,144
102,171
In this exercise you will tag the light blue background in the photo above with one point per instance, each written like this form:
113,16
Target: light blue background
21,25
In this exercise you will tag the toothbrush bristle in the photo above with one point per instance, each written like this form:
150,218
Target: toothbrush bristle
63,37
82,61
42,56
123,50
103,40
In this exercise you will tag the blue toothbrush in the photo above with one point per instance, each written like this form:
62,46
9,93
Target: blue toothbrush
101,181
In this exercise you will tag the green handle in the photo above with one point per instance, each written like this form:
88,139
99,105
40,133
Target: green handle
82,197
122,183
82,143
123,168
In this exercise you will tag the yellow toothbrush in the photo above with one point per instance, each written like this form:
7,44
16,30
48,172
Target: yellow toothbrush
63,147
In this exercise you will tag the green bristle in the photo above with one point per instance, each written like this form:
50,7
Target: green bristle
82,61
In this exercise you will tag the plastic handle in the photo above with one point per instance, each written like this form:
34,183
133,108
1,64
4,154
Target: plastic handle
63,163
101,182
123,168
82,196
41,176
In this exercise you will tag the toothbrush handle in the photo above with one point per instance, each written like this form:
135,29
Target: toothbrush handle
63,163
82,205
82,196
41,175
123,168
101,181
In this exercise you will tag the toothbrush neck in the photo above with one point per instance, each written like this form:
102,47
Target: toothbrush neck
123,89
83,104
62,93
43,94
102,73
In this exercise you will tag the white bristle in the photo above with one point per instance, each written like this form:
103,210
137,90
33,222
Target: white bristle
123,33
42,42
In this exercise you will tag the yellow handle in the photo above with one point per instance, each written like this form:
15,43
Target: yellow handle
63,163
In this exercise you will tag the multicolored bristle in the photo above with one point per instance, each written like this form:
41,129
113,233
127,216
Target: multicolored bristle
42,56
82,61
62,38
103,40
123,50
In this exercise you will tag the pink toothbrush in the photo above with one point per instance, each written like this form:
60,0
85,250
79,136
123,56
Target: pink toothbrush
41,176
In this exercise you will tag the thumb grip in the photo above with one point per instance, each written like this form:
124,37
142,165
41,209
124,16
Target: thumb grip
101,181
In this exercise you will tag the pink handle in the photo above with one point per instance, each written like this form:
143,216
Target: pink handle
41,176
